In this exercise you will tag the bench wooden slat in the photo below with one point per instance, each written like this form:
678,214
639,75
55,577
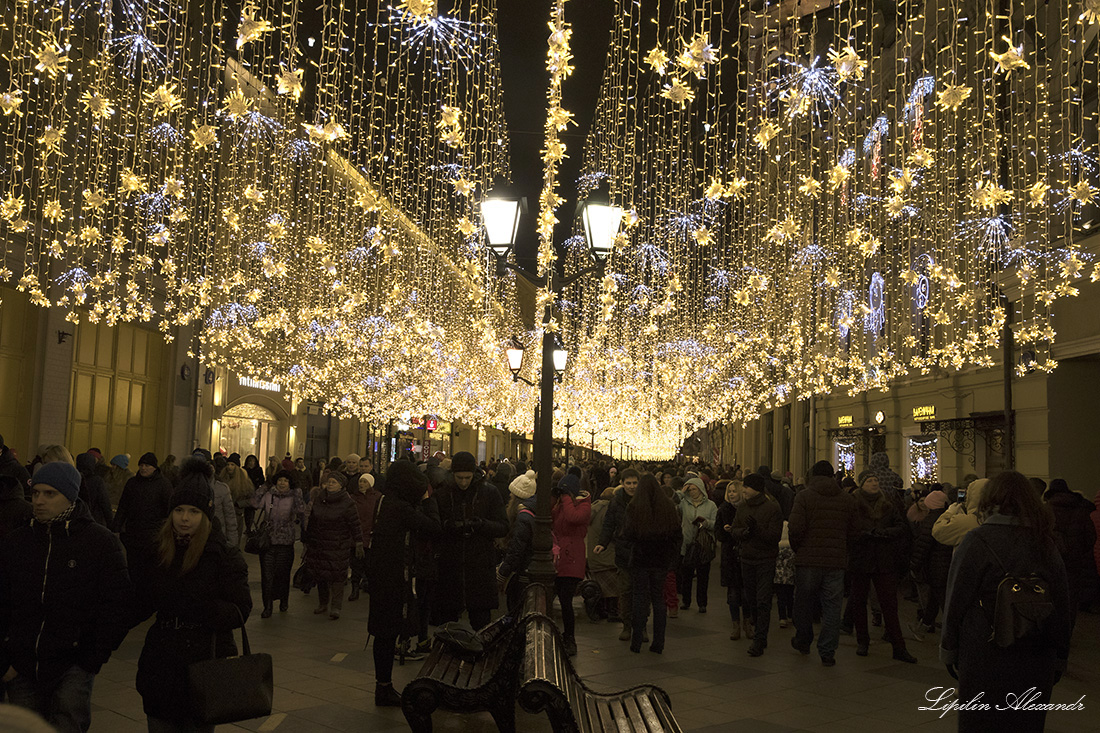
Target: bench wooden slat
630,705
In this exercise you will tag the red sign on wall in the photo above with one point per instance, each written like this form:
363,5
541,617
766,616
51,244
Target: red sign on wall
431,423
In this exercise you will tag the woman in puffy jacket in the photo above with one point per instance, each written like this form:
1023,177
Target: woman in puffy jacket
198,589
871,559
570,514
283,507
332,532
696,512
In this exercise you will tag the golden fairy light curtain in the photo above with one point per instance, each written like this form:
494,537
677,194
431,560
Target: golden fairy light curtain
830,196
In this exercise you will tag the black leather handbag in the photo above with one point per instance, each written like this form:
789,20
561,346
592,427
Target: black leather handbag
231,689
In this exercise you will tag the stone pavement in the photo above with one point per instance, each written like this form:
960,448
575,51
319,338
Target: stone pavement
324,677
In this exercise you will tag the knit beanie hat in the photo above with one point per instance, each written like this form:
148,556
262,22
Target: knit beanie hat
60,475
463,461
570,484
339,477
935,500
194,491
404,480
235,458
149,459
367,479
523,487
121,460
755,482
822,468
352,458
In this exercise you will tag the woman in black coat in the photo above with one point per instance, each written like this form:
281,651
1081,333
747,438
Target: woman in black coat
930,561
730,561
1074,536
333,531
873,559
1014,534
404,509
198,589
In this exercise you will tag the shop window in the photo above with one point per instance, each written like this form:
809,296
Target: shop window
923,461
846,455
249,429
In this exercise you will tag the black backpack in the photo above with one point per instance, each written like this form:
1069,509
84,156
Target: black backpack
1022,604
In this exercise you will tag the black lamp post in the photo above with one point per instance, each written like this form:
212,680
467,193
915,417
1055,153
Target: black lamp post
502,210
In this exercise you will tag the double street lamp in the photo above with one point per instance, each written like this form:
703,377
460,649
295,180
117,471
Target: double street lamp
503,212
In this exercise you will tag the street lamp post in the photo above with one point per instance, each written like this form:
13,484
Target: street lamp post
502,211
567,426
593,434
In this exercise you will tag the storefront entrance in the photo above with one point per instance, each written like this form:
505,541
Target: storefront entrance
248,428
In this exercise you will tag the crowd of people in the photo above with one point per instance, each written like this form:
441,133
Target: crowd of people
88,551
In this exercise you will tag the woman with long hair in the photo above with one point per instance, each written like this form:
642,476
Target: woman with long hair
571,511
197,588
1014,537
282,505
652,525
254,470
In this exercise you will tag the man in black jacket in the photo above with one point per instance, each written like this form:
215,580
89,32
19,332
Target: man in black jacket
64,601
612,533
10,466
472,517
758,526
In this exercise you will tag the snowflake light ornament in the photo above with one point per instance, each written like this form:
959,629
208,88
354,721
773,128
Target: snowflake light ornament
766,134
1091,12
131,182
95,199
810,187
204,135
421,10
10,101
290,82
678,92
251,27
51,139
703,236
952,96
737,188
849,66
657,60
1011,59
1037,194
51,59
838,175
164,100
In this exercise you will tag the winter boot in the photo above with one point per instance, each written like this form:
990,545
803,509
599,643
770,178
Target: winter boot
386,696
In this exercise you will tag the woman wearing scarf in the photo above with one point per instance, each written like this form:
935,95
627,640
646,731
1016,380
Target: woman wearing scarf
283,506
696,512
332,532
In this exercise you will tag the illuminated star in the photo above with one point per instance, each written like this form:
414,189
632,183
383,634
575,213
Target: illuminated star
766,134
462,186
316,244
1082,193
901,181
1037,194
743,297
848,64
51,59
11,207
810,187
161,237
52,210
164,99
895,205
657,59
560,118
451,117
453,138
737,187
173,187
290,82
251,28
132,182
10,101
952,96
97,104
703,236
466,227
921,158
204,135
910,277
715,190
678,92
838,175
237,105
1091,12
254,194
1071,268
1011,59
51,139
832,278
94,199
422,10
90,234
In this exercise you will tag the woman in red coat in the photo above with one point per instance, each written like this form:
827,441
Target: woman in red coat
571,512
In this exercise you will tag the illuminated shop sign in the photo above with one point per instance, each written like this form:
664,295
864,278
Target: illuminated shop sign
924,412
260,384
844,421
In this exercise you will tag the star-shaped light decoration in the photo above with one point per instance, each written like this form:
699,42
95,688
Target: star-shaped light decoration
737,188
52,210
921,158
1072,266
421,10
895,205
11,207
463,187
179,215
271,268
466,227
910,277
51,139
758,281
254,195
716,190
1037,193
1090,12
657,60
678,92
51,59
766,134
560,118
290,82
703,236
160,238
832,277
696,55
367,200
237,105
251,27
989,195
118,243
95,199
1082,193
316,244
810,187
97,104
203,135
450,117
952,96
131,182
1011,59
10,101
90,235
849,66
453,138
631,218
276,229
901,181
164,100
173,187
838,174
743,297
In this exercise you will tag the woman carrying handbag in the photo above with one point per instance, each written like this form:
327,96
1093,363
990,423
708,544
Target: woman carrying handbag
281,506
197,588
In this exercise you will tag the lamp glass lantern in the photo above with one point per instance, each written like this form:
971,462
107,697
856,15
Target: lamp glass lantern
514,352
601,221
561,356
501,210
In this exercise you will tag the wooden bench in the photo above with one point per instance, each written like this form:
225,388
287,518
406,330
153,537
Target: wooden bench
473,683
549,683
